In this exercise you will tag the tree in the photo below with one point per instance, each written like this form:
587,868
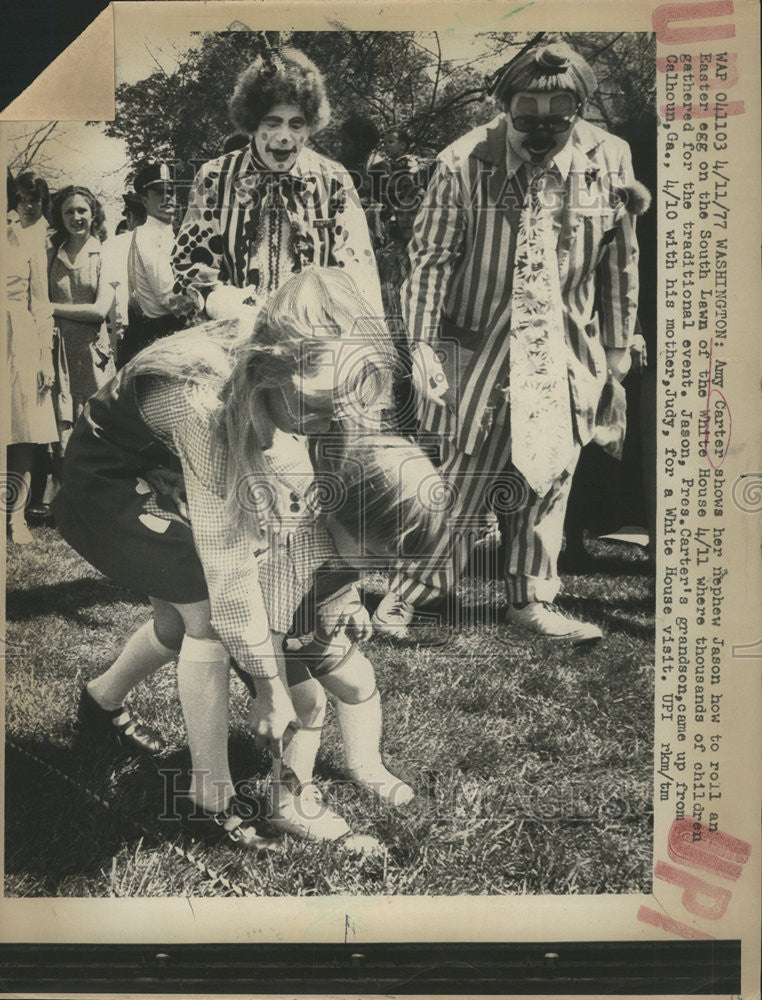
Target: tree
394,77
625,65
30,149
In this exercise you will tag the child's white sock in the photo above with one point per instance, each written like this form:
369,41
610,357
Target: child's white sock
299,756
203,681
361,727
142,655
302,744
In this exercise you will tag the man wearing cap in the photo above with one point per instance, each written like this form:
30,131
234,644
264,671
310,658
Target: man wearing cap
520,307
154,309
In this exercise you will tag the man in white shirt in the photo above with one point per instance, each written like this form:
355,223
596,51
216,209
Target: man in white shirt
154,309
118,249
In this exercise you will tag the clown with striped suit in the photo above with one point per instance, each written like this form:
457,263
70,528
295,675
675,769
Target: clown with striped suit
520,308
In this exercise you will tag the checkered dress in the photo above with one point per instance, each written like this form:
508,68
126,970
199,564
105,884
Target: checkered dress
255,584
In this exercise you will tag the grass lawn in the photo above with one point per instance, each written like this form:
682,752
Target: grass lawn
532,763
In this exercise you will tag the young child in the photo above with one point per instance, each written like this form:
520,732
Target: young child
375,514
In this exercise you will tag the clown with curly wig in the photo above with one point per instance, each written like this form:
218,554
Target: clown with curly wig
259,214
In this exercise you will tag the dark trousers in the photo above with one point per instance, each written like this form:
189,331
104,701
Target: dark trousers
142,331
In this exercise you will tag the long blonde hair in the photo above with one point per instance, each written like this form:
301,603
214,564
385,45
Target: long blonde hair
295,334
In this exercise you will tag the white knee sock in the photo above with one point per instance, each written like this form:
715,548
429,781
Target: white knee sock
302,744
361,727
203,681
142,655
299,756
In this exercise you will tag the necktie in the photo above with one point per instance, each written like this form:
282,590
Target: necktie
272,194
542,440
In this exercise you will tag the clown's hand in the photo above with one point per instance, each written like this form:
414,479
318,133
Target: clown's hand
638,353
229,302
429,379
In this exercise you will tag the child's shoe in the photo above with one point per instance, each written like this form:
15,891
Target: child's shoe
302,812
384,785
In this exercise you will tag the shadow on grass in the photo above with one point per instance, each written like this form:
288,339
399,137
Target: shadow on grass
67,599
54,829
70,809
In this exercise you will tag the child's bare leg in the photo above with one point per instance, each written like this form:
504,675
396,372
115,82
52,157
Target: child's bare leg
20,460
296,805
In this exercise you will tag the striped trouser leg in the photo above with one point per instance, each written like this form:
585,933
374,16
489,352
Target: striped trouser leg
468,479
534,534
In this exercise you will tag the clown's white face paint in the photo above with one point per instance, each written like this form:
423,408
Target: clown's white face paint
281,135
539,143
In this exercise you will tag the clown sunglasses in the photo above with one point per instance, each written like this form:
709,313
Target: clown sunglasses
553,123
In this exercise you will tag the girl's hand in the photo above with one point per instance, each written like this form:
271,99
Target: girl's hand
170,484
274,714
229,302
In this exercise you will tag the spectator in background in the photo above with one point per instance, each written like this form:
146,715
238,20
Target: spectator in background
395,174
154,309
30,196
234,141
357,137
32,203
134,210
30,369
258,215
134,213
82,293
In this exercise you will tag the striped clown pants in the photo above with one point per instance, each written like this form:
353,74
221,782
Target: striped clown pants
531,525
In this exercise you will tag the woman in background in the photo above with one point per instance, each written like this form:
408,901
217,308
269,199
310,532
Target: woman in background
82,294
31,196
30,370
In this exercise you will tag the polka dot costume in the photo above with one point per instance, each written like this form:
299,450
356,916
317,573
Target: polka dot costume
248,227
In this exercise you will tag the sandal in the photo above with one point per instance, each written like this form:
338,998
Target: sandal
237,824
130,732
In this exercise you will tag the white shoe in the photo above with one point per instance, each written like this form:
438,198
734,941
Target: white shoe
544,618
385,785
392,616
305,815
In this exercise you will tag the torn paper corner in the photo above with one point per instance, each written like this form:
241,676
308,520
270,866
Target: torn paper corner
78,85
